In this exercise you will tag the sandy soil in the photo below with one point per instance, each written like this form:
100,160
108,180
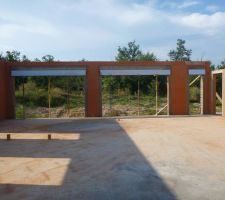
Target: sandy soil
143,158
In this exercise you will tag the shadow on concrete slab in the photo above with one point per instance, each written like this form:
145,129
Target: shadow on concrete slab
104,163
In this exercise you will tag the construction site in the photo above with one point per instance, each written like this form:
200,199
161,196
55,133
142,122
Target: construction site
89,141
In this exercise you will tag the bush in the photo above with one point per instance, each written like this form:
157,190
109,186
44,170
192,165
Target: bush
194,94
33,96
58,98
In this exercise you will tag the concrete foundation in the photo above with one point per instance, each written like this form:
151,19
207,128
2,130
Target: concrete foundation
175,158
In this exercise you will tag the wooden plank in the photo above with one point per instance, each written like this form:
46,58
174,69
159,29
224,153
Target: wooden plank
219,71
163,108
194,80
219,98
156,95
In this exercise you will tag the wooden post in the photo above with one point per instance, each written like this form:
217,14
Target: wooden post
138,96
49,97
156,94
68,98
168,96
8,136
23,99
49,136
110,99
201,95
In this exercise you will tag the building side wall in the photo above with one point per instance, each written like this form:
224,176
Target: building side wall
223,92
178,89
93,92
207,90
6,92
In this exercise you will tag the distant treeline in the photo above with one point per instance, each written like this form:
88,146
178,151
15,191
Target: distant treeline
131,52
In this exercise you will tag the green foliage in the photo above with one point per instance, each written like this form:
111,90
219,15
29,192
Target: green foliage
19,111
12,56
37,60
194,94
57,97
25,59
219,78
222,65
34,96
213,67
181,53
48,58
132,52
147,57
2,58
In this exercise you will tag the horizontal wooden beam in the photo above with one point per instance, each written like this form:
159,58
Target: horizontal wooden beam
194,80
219,71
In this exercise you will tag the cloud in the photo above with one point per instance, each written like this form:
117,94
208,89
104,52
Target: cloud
126,13
13,23
210,24
180,4
187,4
93,29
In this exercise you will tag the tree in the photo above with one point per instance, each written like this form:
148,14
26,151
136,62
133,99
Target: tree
37,60
147,57
25,58
222,65
212,67
12,56
132,52
181,53
48,58
2,58
42,81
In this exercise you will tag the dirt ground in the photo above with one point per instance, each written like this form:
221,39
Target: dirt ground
142,158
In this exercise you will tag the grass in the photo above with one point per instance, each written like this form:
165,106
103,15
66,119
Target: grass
128,105
75,107
120,103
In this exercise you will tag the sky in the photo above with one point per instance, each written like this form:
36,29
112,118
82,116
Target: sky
93,29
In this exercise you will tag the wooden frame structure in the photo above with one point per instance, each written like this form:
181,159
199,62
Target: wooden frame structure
201,77
178,82
215,95
138,73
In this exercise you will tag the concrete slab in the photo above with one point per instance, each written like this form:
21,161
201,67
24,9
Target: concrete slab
144,158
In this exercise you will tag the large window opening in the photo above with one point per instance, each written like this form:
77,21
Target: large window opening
196,94
134,95
49,96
